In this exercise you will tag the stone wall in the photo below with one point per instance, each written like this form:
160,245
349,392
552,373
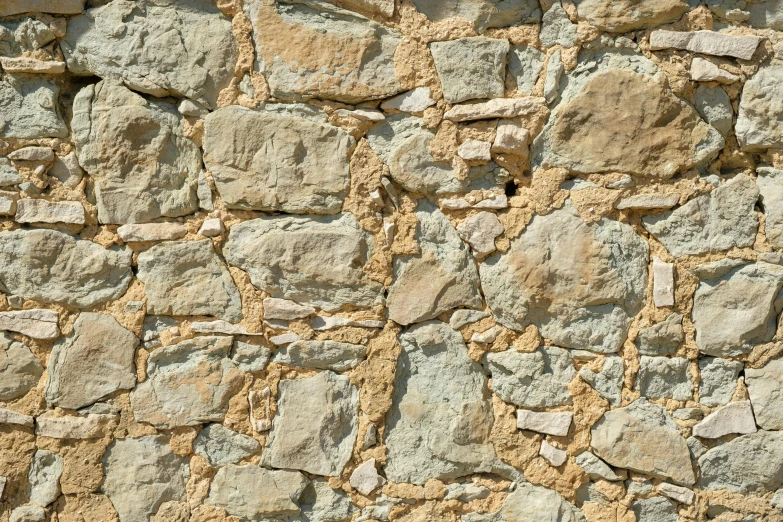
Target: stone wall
391,260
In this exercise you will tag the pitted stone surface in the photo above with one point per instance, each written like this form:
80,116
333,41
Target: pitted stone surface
20,370
44,477
534,380
470,68
29,108
770,184
764,387
762,96
618,16
236,489
529,503
748,464
609,381
484,14
718,380
321,355
662,338
665,378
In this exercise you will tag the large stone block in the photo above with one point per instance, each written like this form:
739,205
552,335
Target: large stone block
236,489
619,16
529,503
764,385
758,124
471,68
484,14
28,108
534,380
748,464
19,369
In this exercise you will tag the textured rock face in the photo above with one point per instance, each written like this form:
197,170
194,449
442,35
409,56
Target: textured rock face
770,184
534,380
663,377
266,161
531,503
19,369
221,446
577,282
135,150
322,355
236,488
29,109
44,477
750,463
764,386
470,68
627,15
761,99
483,14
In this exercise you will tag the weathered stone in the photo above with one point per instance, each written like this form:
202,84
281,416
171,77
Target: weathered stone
171,396
321,503
12,417
470,68
748,464
365,478
8,174
534,380
20,370
705,71
461,318
220,327
554,72
757,128
151,232
723,219
511,138
736,310
43,211
706,42
441,414
135,151
97,360
487,336
212,227
443,276
648,201
475,151
266,161
250,357
631,437
14,7
764,386
654,509
67,170
316,425
556,424
663,283
530,503
714,106
313,49
557,29
8,202
609,381
718,380
608,120
314,261
182,48
678,493
558,271
36,323
525,64
90,426
321,355
665,378
141,474
44,477
33,153
553,455
285,309
595,468
662,338
770,184
31,66
484,14
412,101
498,108
619,16
236,489
188,278
329,323
28,513
221,446
735,417
466,492
29,108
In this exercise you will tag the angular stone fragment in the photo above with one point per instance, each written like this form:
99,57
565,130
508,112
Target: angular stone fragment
735,417
678,493
90,426
135,150
151,232
35,323
511,138
250,357
31,66
29,108
365,478
720,220
8,174
188,278
261,160
525,64
20,370
14,7
530,503
757,126
212,227
620,16
44,477
764,385
475,151
171,396
663,283
470,68
655,509
8,202
312,49
97,360
535,380
484,14
314,261
556,424
221,446
557,29
11,417
609,381
321,355
770,184
705,71
220,327
734,311
43,211
441,414
665,378
553,455
662,338
284,309
443,276
578,282
236,489
631,437
714,105
554,71
718,380
141,474
748,464
498,108
412,101
461,318
480,231
648,201
181,48
595,467
706,42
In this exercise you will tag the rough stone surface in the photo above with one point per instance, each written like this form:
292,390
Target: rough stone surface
484,14
529,503
235,488
662,338
14,7
44,477
321,355
29,109
627,15
764,387
35,323
705,71
365,478
714,105
556,424
553,455
761,97
151,232
735,417
609,381
471,68
748,464
480,231
770,184
221,446
665,378
20,370
42,211
717,380
595,467
706,42
657,509
534,380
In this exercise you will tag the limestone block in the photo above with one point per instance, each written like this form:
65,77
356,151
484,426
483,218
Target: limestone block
235,488
735,417
706,42
29,109
221,446
470,68
43,211
321,355
556,424
750,463
36,323
20,370
535,380
619,16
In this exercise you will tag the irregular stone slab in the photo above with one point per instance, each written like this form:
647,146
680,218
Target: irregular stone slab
31,66
662,338
20,370
714,106
320,502
554,71
608,120
620,16
718,380
33,153
151,232
313,49
220,327
8,202
713,222
285,309
498,108
484,14
412,101
181,48
96,361
314,261
734,311
764,386
631,437
212,227
534,380
141,474
321,355
553,455
480,231
438,391
648,201
11,417
705,71
735,417
470,68
663,283
748,464
678,493
14,7
595,468
43,211
762,97
188,278
443,276
29,108
135,150
221,446
328,323
556,424
316,425
770,184
706,42
365,478
604,263
44,477
511,138
657,509
665,378
250,357
609,381
171,396
36,323
236,488
8,174
530,503
557,29
461,318
525,64
266,161
475,151
90,426
28,513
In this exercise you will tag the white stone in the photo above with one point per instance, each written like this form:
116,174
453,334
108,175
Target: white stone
275,308
493,202
648,201
735,417
553,455
361,114
474,150
497,108
706,42
365,478
480,232
212,227
67,170
663,283
190,108
461,318
151,232
37,323
678,493
43,211
412,101
31,65
487,336
328,323
511,138
705,71
92,426
556,423
286,338
8,202
595,467
11,417
44,477
220,327
45,154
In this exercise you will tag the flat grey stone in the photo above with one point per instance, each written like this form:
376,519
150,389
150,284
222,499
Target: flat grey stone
620,16
314,261
443,276
648,201
171,396
221,446
93,362
734,311
706,42
134,232
20,370
321,355
466,492
735,417
678,493
770,184
180,48
470,68
8,174
321,503
562,243
718,380
497,108
665,378
748,464
529,503
141,474
595,468
484,14
55,267
11,417
631,437
554,423
661,338
28,513
316,425
236,488
705,71
250,357
555,456
14,7
135,151
713,222
29,108
463,317
415,100
714,106
284,309
43,478
533,380
609,381
30,210
655,509
554,72
525,64
274,162
557,29
82,426
762,96
764,385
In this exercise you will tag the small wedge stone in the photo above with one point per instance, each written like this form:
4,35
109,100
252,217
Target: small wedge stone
556,424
